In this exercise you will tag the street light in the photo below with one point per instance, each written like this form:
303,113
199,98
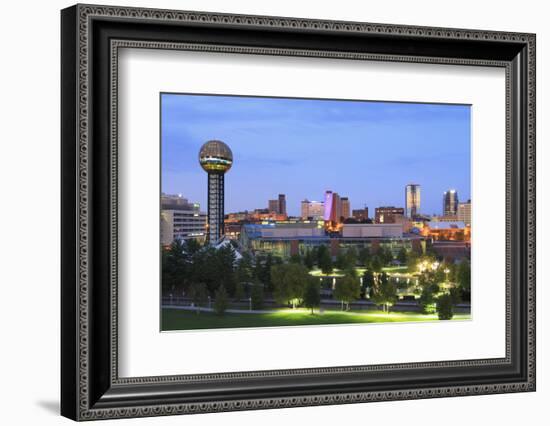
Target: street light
447,274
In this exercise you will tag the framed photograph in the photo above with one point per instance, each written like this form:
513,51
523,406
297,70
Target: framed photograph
263,212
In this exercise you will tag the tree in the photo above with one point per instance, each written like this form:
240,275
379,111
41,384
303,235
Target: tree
445,307
289,280
312,295
243,272
412,260
257,296
239,291
463,277
191,247
198,294
175,273
309,260
376,264
347,289
340,262
221,301
324,260
402,256
296,258
263,271
368,281
456,294
364,256
385,255
224,264
426,301
385,292
351,257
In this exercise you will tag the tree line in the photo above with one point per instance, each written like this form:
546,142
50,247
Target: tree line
202,272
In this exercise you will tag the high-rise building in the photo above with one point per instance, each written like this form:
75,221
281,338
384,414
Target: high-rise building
273,206
282,204
312,209
180,220
216,159
333,207
450,202
346,207
412,199
361,214
464,212
388,214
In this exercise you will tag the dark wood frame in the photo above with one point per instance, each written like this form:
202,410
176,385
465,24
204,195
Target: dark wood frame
90,386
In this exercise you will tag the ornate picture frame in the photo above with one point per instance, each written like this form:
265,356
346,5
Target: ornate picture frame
91,38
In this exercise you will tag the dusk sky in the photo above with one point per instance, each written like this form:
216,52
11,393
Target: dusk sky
367,151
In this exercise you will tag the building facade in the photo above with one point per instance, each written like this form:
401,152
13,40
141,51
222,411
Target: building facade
346,207
285,240
388,214
361,215
372,230
446,231
180,220
273,206
450,203
333,208
312,209
464,213
282,204
412,200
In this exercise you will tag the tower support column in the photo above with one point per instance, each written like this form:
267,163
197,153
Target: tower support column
215,207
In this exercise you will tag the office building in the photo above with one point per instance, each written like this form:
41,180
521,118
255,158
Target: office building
361,215
412,200
450,202
346,207
312,209
333,207
464,212
273,206
388,214
282,204
180,220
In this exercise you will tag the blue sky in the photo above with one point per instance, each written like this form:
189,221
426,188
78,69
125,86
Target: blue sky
367,151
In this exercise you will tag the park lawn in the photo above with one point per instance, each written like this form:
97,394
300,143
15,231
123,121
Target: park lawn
177,319
397,269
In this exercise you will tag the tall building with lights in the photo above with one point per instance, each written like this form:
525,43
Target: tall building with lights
346,207
282,204
216,159
450,202
273,206
180,220
412,199
361,214
312,209
388,214
333,207
464,212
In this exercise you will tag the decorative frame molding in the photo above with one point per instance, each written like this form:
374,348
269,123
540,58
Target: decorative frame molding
91,388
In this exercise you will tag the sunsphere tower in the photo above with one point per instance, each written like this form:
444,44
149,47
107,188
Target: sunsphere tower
216,159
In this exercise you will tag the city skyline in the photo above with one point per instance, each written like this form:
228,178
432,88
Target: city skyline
370,170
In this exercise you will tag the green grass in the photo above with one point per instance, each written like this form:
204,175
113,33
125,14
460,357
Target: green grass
397,269
174,319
